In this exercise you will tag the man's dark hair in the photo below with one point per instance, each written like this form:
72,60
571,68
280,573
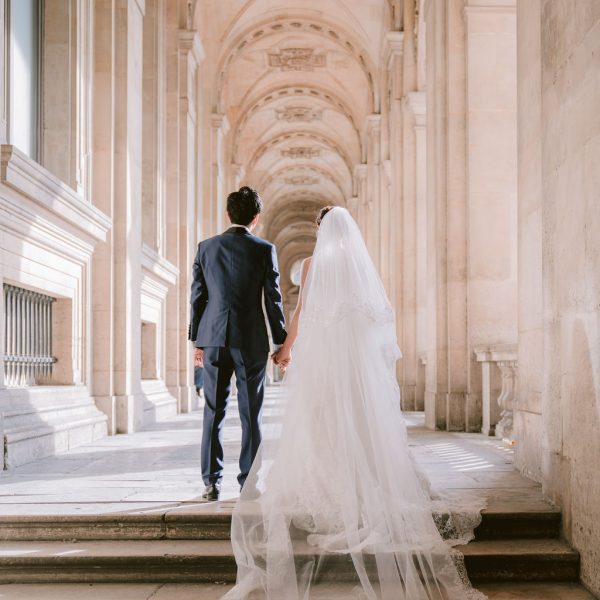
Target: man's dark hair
243,205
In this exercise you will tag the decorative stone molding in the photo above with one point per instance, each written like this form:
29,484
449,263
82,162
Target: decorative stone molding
190,41
415,101
297,59
301,152
299,113
45,189
302,180
497,405
220,123
159,266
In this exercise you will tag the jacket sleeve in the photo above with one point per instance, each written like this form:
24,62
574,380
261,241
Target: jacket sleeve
273,300
198,298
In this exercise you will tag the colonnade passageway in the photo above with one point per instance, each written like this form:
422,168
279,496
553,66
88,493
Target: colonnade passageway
463,137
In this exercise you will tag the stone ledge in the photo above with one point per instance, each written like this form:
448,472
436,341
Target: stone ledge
37,183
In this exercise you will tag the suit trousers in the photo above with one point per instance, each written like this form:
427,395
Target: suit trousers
219,366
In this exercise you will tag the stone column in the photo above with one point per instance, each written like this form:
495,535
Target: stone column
528,421
360,191
219,129
127,214
492,182
372,203
103,194
173,326
237,175
416,102
447,348
191,54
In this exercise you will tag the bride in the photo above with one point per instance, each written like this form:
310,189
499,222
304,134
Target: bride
333,494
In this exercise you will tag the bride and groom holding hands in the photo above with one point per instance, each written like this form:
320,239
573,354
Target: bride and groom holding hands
333,479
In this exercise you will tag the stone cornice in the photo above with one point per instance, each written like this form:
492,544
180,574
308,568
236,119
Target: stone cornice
159,266
29,178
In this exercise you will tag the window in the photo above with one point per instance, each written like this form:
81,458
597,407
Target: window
28,336
24,29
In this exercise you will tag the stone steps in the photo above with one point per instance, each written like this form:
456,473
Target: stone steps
212,561
212,522
207,591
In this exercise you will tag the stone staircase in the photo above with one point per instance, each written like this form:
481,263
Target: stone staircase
190,543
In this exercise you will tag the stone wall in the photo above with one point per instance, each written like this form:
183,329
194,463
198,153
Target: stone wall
558,417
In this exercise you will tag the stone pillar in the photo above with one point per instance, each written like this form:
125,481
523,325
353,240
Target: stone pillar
237,175
447,348
191,54
372,202
173,326
491,184
103,194
416,103
127,214
219,129
360,188
528,422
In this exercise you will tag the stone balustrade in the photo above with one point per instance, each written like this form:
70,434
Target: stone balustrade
498,389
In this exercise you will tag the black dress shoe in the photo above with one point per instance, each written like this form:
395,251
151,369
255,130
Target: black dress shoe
211,493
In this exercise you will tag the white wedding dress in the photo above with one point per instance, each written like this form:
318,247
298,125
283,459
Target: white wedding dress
334,494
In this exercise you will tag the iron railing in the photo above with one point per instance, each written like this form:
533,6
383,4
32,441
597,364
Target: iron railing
27,336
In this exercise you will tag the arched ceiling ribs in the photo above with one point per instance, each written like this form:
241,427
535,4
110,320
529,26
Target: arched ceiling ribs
276,94
298,207
294,25
300,136
300,168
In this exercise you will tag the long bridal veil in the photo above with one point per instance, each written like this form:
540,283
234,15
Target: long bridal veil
333,494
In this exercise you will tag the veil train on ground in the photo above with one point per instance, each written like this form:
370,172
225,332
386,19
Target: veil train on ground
334,494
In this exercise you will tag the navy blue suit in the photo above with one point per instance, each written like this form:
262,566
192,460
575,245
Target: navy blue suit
232,272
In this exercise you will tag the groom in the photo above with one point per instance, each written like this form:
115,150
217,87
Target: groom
232,272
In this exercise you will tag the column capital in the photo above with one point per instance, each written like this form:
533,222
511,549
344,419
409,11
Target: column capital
220,121
373,124
189,41
416,103
360,171
393,45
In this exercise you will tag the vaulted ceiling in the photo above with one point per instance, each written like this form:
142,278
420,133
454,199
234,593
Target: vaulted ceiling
296,80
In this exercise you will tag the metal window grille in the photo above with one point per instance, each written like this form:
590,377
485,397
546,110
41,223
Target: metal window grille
27,336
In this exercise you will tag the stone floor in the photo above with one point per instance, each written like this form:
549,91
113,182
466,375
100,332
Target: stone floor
158,470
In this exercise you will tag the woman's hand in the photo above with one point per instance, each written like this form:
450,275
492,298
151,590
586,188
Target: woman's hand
282,358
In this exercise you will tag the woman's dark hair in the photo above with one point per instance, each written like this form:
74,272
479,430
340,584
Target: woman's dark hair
322,213
243,205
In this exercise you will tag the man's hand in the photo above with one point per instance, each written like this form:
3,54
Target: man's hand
198,357
282,358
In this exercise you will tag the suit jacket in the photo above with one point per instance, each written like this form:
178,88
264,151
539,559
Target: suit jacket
231,272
